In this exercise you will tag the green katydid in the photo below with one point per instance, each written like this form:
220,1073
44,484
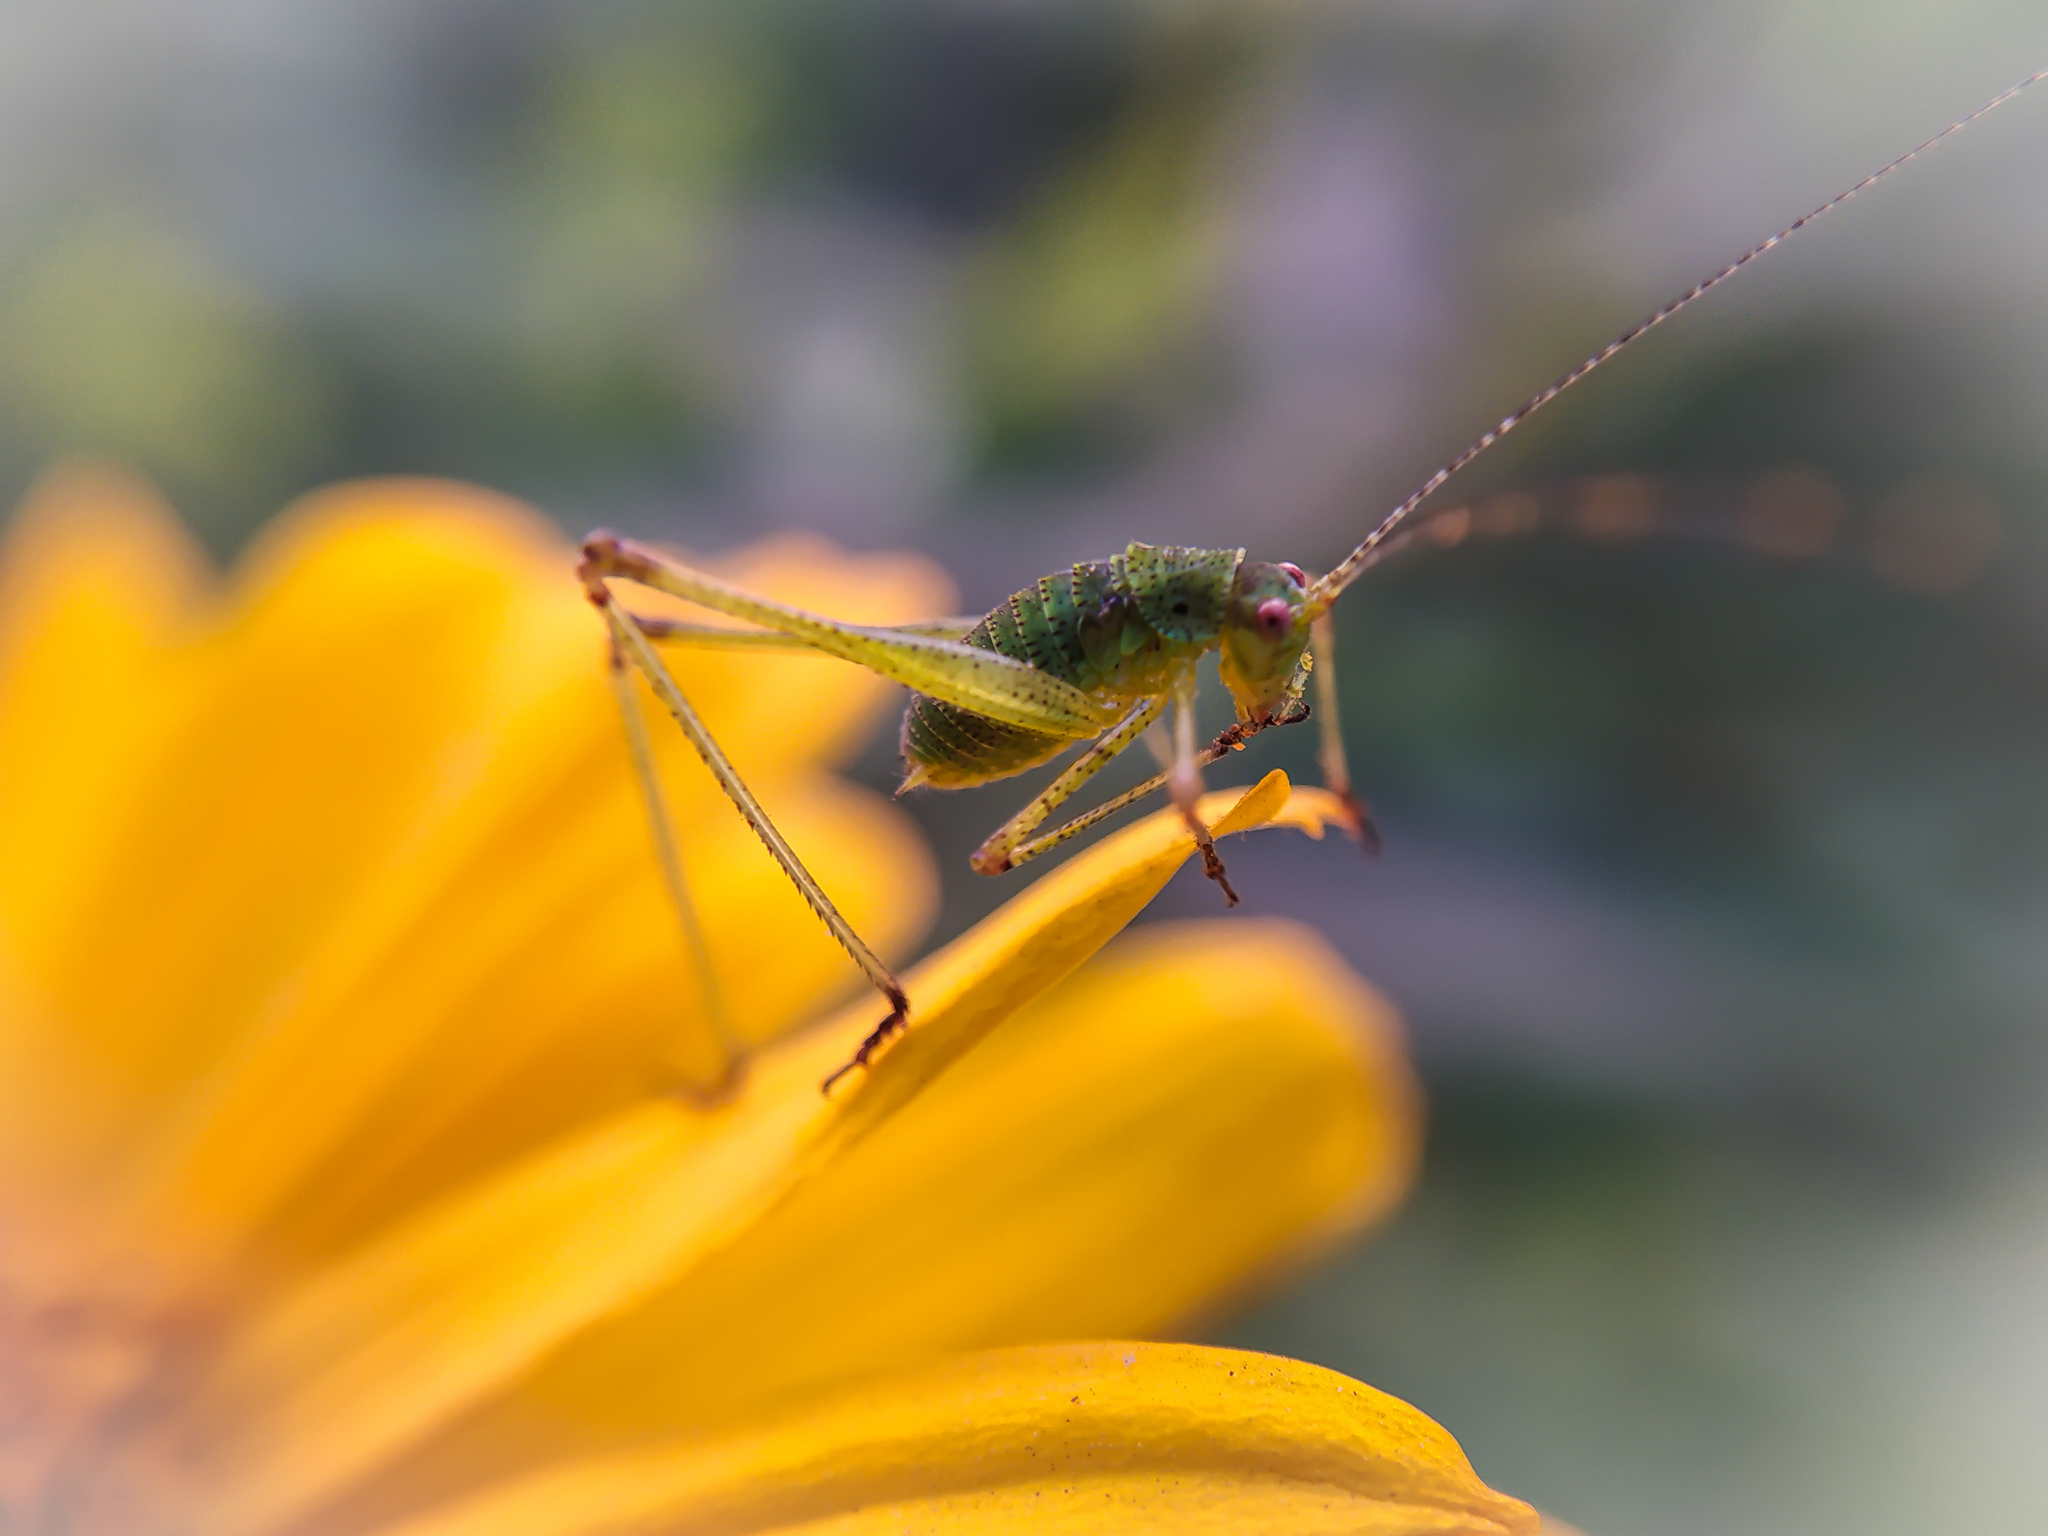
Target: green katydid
1096,654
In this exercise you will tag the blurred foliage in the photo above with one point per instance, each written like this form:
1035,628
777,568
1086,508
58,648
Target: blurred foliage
115,340
1101,292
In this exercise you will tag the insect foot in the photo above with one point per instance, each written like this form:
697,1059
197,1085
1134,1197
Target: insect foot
1212,866
1360,822
899,1016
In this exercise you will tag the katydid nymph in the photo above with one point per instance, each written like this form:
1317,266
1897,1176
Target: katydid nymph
1098,654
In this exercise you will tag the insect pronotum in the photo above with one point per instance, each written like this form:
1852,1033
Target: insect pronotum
1097,653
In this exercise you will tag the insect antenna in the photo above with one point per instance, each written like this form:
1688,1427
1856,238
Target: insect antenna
1360,559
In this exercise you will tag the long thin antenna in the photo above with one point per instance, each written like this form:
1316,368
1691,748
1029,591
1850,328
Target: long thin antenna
1354,564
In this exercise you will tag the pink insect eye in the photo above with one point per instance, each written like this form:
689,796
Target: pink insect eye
1275,617
1290,568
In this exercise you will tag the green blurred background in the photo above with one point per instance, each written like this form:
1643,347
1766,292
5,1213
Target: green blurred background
1716,887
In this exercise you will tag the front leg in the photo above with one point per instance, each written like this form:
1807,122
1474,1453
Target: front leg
1184,782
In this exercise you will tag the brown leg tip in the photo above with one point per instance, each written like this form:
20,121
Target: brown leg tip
1360,823
899,1015
1212,866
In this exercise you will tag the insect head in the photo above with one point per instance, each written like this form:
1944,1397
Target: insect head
1265,629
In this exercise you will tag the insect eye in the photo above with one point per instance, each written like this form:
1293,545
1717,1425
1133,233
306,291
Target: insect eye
1290,569
1275,617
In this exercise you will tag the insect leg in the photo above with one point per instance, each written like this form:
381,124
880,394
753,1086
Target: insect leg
1330,737
636,646
1000,687
1184,782
717,637
661,827
1232,739
998,853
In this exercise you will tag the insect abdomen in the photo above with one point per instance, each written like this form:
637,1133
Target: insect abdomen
1106,626
951,747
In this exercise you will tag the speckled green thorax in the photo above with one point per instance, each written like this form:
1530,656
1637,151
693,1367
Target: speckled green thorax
1119,628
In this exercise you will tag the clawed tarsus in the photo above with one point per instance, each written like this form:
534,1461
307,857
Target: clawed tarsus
880,1035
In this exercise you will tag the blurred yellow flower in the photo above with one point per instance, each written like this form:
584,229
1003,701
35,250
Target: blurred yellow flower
339,1189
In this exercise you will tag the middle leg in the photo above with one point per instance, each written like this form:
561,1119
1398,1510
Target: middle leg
1000,852
1232,739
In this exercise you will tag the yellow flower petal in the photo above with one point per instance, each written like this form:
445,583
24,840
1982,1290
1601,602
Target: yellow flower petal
97,577
1076,1438
378,877
528,1011
453,1306
1202,1106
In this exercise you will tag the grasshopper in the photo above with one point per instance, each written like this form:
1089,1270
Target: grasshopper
1094,654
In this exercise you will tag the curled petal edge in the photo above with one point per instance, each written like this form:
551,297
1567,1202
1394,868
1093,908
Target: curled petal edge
1062,1438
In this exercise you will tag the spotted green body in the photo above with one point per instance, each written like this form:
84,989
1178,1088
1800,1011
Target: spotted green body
1123,629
